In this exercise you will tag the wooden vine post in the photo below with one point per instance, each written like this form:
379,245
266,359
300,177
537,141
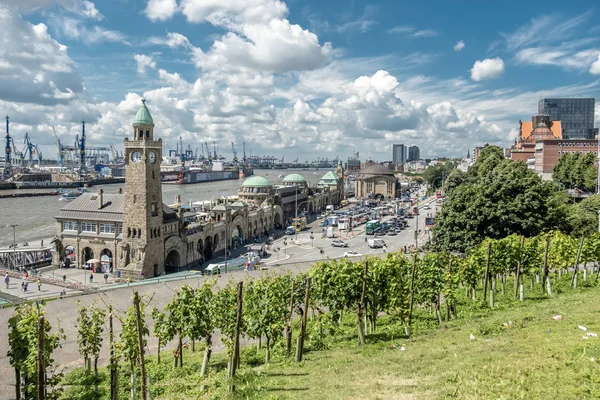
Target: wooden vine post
412,295
236,340
288,332
576,266
41,368
138,318
448,305
545,278
519,264
114,389
486,277
300,343
361,308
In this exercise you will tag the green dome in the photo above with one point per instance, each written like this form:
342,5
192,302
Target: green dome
294,178
143,116
254,181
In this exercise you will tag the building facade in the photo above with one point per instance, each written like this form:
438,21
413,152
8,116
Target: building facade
398,153
575,114
414,153
376,182
547,152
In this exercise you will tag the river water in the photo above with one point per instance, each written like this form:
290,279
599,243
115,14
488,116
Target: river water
35,215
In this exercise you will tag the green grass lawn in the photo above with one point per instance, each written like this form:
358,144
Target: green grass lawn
518,352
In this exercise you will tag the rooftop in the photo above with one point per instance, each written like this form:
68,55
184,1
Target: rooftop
143,116
294,178
256,181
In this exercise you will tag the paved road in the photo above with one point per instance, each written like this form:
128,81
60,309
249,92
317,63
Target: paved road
299,257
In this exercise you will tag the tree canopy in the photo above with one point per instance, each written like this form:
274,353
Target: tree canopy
497,197
576,171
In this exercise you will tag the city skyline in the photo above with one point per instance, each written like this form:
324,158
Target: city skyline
291,79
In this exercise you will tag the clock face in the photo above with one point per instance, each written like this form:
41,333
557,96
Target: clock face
136,157
152,157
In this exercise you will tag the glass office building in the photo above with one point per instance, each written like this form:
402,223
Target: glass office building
576,116
398,154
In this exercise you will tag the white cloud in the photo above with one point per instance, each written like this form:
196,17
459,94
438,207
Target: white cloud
489,68
84,8
143,62
413,32
595,67
160,10
426,33
76,29
233,12
459,45
35,70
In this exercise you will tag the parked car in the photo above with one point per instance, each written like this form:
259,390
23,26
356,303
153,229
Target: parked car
339,243
426,207
352,254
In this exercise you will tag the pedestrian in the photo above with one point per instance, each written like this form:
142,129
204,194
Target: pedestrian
142,275
91,277
6,279
64,278
25,287
39,285
105,278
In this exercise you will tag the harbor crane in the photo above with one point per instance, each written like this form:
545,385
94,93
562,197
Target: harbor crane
7,172
31,150
210,158
235,158
244,156
214,150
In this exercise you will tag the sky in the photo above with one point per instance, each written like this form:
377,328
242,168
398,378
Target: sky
293,79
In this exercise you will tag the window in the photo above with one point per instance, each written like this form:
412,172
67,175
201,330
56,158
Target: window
88,227
120,229
107,228
69,226
153,208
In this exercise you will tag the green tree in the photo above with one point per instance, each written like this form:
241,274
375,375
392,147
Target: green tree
584,216
576,171
501,197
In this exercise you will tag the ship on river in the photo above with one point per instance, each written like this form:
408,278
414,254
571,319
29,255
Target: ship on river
215,171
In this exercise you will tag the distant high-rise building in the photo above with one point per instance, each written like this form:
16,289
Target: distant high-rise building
398,154
414,153
576,116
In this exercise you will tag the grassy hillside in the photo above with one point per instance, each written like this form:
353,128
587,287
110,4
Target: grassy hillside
518,351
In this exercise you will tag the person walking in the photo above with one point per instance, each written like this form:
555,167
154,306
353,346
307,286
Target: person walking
25,287
92,277
6,280
39,285
65,278
105,278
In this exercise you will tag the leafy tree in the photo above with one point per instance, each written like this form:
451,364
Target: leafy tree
128,339
501,197
224,311
436,174
584,216
576,171
90,325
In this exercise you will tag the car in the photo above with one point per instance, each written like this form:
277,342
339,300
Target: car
392,233
339,243
352,254
426,207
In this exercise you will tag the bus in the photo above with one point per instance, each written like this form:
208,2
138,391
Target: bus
372,226
299,223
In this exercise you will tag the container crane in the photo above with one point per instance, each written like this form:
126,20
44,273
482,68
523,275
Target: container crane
30,150
235,158
244,155
215,150
82,169
210,158
7,172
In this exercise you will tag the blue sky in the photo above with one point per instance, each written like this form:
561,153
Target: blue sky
295,78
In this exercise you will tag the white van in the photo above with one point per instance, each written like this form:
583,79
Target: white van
330,232
330,208
376,243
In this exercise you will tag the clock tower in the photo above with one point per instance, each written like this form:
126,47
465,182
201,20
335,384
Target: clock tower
142,248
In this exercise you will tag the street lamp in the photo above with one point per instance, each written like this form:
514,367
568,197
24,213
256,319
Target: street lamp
306,201
14,226
312,238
